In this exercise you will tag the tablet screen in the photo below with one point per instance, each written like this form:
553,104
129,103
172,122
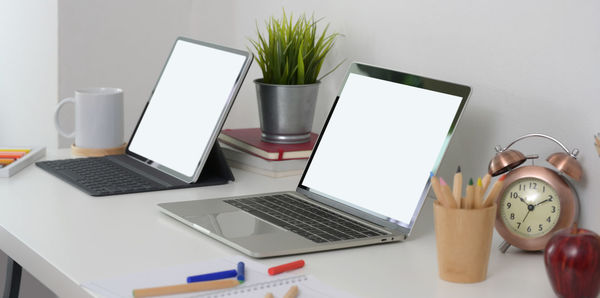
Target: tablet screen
188,107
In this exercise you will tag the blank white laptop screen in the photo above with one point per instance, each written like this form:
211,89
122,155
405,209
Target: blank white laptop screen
189,100
380,144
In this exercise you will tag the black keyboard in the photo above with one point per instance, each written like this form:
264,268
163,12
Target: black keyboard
303,218
99,176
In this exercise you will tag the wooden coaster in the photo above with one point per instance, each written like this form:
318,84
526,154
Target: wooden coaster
97,152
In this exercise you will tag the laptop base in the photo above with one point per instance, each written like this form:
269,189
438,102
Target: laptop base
254,236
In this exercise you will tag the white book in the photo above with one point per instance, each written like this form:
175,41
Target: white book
272,168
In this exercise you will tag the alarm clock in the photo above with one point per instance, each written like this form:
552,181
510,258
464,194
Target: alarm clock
535,201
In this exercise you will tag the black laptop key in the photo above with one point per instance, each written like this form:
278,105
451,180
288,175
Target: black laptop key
315,238
357,235
329,237
267,217
236,203
344,236
69,174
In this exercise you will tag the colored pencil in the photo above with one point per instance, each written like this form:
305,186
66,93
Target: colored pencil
269,295
186,288
15,150
292,292
437,190
485,181
478,201
457,187
470,195
489,201
12,154
6,161
447,193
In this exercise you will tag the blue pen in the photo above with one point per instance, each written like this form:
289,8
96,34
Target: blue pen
212,276
240,272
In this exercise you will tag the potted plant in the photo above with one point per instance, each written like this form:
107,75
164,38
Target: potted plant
290,56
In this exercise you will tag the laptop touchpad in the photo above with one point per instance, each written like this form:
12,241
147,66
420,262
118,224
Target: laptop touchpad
234,224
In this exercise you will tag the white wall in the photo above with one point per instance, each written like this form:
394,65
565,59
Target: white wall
28,72
117,44
28,89
533,65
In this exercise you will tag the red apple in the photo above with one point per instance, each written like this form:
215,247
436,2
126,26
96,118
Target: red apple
572,258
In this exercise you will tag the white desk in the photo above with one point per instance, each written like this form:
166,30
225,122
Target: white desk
64,238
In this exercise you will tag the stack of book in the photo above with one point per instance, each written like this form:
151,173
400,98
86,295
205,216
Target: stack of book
244,149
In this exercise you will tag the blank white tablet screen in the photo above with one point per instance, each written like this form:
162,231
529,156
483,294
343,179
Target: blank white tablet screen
184,109
380,144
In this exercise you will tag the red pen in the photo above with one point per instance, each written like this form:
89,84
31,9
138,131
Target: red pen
286,267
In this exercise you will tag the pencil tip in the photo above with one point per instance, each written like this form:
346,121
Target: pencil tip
442,182
503,177
431,174
470,181
458,169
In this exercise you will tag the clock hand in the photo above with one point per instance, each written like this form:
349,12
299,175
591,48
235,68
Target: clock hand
522,200
523,221
544,201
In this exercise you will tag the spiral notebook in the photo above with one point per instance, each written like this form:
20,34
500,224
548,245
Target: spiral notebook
258,281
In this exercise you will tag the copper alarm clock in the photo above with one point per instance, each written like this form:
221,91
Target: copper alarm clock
535,201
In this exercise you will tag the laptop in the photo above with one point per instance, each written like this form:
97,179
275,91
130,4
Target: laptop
174,142
365,181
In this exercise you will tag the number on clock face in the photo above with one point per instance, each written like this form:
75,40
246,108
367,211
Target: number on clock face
529,207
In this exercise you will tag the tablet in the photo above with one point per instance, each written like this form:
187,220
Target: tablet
188,107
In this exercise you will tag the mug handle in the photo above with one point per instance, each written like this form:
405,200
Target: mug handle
56,112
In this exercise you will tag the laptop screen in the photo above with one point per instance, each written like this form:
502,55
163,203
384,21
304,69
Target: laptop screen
188,107
386,132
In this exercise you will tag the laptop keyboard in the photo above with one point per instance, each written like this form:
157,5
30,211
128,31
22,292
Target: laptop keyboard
305,219
98,176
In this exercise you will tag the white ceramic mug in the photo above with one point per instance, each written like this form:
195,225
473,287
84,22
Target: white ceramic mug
98,118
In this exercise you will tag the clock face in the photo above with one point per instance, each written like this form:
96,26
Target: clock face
529,207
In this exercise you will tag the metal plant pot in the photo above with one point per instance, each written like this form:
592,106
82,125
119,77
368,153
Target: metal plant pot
286,112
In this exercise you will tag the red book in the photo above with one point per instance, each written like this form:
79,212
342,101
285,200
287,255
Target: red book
248,140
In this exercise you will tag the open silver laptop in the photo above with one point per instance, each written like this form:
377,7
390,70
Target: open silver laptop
365,181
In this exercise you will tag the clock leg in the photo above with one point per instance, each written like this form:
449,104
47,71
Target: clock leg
504,246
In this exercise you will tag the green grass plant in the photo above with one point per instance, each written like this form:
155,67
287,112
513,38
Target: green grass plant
292,52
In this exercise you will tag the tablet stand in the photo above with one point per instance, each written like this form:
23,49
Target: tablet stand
216,170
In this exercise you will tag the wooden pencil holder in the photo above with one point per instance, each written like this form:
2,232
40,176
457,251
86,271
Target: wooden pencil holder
463,238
